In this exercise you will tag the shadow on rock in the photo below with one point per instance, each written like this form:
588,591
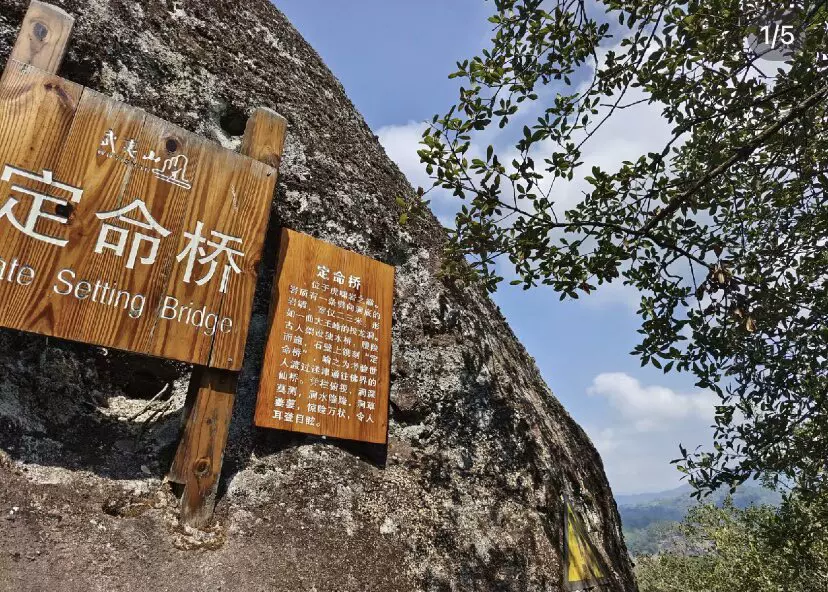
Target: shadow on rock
86,408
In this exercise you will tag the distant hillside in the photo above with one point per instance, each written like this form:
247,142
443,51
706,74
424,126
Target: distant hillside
635,499
649,519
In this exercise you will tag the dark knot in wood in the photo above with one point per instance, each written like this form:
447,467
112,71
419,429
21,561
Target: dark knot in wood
201,467
40,31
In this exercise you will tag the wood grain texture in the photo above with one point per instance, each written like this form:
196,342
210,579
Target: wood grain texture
327,361
264,136
116,154
43,37
212,391
198,461
263,142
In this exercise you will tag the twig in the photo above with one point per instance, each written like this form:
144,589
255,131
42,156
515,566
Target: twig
157,413
743,153
151,401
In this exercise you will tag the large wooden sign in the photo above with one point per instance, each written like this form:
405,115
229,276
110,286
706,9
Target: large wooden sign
328,358
122,230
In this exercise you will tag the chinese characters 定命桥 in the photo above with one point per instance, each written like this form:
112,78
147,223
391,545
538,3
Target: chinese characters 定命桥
114,235
324,272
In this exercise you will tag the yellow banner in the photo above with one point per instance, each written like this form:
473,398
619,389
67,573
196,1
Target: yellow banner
583,570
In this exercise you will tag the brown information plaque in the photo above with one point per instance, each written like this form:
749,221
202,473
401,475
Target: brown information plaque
328,358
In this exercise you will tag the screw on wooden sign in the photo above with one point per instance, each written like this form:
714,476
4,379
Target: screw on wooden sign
122,230
328,356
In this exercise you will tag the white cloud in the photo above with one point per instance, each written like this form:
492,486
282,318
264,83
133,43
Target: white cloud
614,294
401,142
652,407
641,433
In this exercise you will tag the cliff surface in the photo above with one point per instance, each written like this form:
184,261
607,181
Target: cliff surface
480,451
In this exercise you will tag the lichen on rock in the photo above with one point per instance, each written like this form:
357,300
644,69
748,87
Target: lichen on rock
480,451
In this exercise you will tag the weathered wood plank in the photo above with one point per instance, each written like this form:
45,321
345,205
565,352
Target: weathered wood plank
43,37
54,312
327,363
263,141
200,454
171,335
211,395
37,115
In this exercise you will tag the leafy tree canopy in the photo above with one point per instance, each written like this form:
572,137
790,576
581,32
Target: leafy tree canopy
758,549
722,229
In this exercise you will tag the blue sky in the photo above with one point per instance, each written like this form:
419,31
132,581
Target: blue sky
393,59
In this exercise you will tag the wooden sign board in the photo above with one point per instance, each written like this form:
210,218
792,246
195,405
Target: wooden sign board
327,363
122,230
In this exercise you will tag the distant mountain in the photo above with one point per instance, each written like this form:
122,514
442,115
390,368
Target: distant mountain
635,499
649,519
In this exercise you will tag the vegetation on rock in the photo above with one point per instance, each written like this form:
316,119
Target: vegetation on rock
757,549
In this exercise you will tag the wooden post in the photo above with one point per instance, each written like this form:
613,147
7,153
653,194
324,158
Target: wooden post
197,463
212,392
43,37
264,136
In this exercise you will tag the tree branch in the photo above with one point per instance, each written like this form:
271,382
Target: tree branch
741,154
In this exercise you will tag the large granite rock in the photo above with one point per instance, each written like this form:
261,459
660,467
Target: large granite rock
480,451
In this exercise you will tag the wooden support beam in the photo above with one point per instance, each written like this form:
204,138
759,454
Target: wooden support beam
42,43
43,37
200,455
209,407
264,136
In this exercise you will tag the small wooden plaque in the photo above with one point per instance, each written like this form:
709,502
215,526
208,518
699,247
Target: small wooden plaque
122,230
327,362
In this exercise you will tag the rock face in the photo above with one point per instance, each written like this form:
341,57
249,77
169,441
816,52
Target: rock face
480,451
